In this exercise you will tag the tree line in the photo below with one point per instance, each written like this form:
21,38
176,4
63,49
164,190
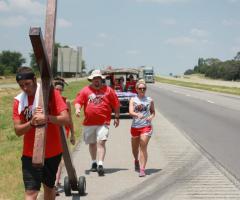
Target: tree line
217,69
10,61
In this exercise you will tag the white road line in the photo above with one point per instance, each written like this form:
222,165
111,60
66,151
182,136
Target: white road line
210,101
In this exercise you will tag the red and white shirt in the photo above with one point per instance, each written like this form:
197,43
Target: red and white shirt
53,140
98,104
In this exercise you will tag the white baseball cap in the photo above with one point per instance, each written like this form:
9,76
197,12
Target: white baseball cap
96,73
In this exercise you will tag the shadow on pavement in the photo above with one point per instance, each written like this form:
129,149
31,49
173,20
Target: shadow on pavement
107,170
113,170
152,171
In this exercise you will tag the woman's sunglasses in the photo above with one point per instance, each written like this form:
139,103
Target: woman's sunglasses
142,89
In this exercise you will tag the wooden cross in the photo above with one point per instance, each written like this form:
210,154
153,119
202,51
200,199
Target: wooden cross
43,51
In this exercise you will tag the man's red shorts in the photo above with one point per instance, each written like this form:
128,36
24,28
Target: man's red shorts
136,132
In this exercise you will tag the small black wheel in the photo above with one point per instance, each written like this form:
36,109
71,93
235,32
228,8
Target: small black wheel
67,186
82,185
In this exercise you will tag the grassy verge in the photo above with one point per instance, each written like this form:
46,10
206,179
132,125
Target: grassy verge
11,185
214,88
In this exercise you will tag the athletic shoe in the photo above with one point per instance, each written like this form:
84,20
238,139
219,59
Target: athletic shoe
94,167
136,165
56,191
100,170
142,173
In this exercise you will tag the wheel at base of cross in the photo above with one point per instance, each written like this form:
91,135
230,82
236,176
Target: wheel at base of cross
82,185
67,186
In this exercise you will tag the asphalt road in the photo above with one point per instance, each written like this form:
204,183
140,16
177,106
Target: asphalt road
210,119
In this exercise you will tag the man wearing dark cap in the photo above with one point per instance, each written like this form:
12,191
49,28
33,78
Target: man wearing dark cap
26,117
98,101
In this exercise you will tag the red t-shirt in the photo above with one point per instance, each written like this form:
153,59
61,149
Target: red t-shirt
118,87
131,85
53,140
98,104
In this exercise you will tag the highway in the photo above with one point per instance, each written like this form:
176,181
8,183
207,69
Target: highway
211,119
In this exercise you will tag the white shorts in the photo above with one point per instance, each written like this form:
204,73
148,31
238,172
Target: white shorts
92,134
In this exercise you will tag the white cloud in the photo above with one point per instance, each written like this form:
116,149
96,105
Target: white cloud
22,6
230,22
168,21
63,23
163,1
199,32
15,21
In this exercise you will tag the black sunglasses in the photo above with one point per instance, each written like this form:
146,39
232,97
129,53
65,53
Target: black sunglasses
142,89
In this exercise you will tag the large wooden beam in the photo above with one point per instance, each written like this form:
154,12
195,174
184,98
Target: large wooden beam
40,52
43,52
45,72
68,161
50,27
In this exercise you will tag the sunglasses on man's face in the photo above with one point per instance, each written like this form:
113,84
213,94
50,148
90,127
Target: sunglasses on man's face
142,88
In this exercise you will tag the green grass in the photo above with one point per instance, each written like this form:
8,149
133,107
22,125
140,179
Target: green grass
214,88
11,185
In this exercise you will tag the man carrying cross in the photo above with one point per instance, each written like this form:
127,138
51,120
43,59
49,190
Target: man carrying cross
26,117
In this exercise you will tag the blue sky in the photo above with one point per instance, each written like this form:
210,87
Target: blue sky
168,34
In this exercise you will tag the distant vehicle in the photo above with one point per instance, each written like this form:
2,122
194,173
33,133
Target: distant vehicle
118,79
148,74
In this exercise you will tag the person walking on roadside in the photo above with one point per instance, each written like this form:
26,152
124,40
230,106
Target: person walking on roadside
26,117
59,84
141,108
98,101
131,84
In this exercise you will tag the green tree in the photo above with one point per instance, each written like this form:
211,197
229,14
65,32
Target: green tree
201,67
201,62
211,61
237,57
189,72
33,62
233,70
1,69
11,60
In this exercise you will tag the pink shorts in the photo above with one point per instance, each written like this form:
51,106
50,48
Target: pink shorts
136,132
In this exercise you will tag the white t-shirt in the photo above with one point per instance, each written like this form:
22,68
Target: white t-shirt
141,106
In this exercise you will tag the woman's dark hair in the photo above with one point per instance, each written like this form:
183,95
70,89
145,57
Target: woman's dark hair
59,81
